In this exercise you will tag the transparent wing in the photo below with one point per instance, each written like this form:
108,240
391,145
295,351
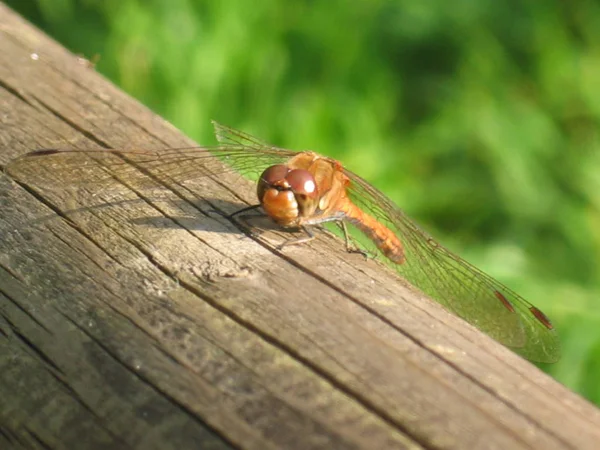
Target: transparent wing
456,284
101,169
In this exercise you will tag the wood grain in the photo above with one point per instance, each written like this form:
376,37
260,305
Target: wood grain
147,320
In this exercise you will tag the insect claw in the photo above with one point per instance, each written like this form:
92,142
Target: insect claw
367,255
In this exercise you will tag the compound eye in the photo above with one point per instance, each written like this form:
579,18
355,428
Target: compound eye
274,174
272,178
302,182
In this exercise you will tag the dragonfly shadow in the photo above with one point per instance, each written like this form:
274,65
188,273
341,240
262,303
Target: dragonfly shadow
212,216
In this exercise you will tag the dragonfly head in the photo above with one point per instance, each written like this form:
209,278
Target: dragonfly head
287,194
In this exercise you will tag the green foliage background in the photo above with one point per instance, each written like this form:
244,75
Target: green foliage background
478,118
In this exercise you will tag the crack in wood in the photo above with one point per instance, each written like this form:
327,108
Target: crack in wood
15,91
139,375
24,311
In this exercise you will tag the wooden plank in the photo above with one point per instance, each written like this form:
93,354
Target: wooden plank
144,319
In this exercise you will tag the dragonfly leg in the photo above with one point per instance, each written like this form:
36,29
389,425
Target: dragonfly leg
233,214
351,247
243,210
309,237
244,219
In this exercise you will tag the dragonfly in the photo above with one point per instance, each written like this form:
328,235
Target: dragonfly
303,189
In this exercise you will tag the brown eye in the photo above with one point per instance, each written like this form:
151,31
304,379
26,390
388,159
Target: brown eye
273,174
302,182
271,177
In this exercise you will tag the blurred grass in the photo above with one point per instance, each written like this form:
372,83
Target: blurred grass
479,119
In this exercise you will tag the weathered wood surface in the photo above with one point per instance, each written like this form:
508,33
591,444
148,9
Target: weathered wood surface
148,321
